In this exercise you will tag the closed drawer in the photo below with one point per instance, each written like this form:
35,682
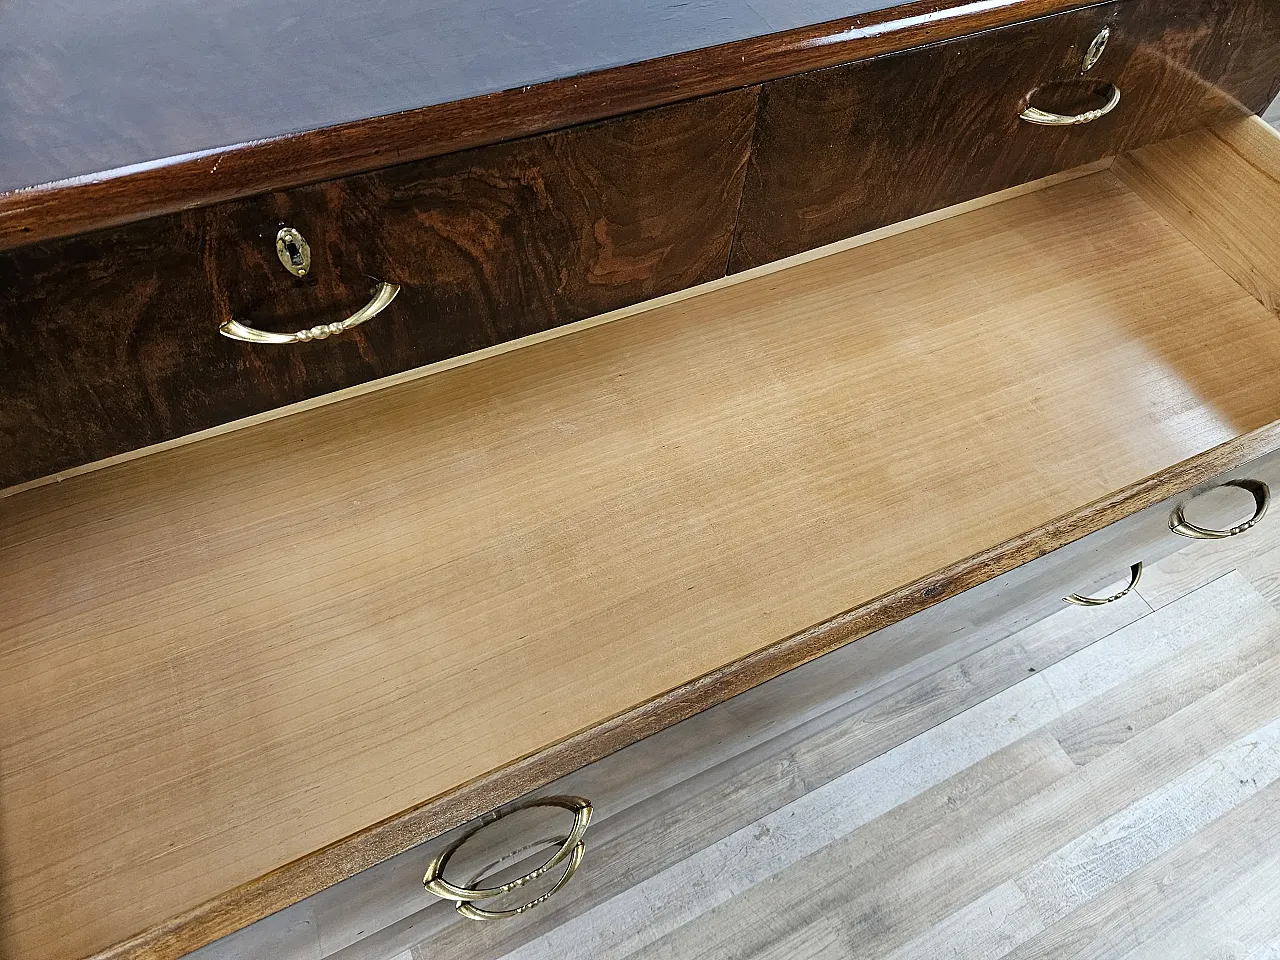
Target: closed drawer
850,149
383,911
110,341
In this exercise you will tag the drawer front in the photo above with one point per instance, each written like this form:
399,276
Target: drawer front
1197,62
383,911
110,341
843,151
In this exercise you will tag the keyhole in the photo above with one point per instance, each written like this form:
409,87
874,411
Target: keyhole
1096,49
293,251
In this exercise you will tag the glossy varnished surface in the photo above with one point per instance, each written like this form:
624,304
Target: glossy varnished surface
95,86
206,77
110,341
232,654
847,150
109,338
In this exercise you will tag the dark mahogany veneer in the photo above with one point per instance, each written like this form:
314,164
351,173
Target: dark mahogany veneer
109,339
843,151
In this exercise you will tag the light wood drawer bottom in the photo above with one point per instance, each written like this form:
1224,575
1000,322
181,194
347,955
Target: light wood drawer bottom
644,796
239,672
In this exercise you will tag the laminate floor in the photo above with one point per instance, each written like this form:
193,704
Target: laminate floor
1120,800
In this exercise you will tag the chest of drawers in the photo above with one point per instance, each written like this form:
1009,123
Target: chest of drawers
586,456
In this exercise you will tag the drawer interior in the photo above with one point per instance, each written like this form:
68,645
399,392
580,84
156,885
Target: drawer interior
222,658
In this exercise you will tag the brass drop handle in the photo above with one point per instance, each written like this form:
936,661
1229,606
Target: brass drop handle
1261,494
570,848
383,294
1036,115
1135,574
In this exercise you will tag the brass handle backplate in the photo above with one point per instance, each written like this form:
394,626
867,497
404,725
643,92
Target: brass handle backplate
383,294
1135,574
1036,115
1261,494
571,849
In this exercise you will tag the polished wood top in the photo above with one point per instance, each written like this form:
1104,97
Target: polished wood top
95,86
219,660
92,86
137,108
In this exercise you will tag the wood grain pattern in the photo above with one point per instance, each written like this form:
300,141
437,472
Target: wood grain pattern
246,649
110,340
844,151
693,783
652,779
1198,62
237,139
1221,187
480,355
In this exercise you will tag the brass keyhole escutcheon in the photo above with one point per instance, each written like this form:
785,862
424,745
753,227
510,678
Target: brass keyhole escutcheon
1095,51
294,251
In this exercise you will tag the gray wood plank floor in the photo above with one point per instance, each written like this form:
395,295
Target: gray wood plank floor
1122,799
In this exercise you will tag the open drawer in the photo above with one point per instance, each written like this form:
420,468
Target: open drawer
236,672
731,768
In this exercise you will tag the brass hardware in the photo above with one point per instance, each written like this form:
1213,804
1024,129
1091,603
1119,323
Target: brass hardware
1095,51
1261,494
294,251
1036,115
383,294
1135,574
571,848
472,912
